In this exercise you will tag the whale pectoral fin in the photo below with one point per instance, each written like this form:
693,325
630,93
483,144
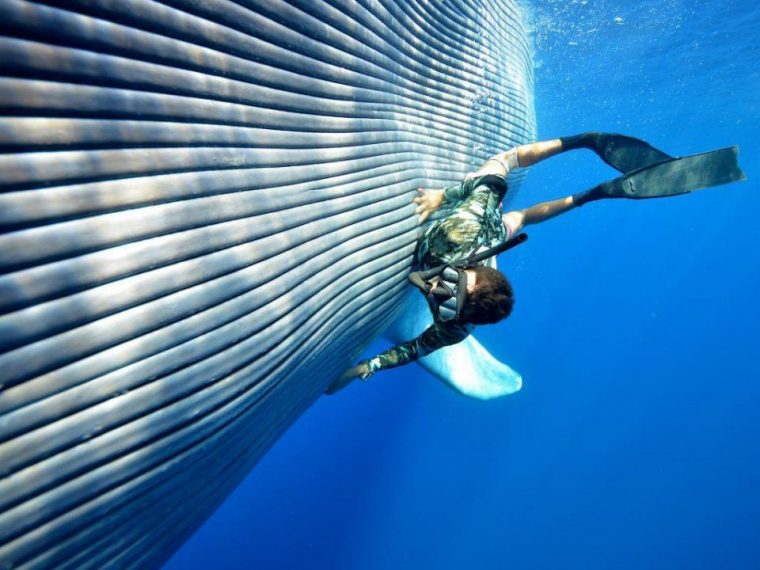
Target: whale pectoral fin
466,367
471,370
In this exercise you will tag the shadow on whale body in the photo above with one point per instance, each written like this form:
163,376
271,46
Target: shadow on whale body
206,216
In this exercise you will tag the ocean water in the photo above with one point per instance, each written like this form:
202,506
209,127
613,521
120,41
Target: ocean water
633,443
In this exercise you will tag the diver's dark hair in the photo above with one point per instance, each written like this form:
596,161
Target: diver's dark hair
492,299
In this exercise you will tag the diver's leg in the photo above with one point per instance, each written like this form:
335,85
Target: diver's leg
607,145
619,151
647,172
522,156
531,153
547,210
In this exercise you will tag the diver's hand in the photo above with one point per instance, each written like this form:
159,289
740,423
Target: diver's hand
427,202
361,370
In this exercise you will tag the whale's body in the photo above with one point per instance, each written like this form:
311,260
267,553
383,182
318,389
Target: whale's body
205,217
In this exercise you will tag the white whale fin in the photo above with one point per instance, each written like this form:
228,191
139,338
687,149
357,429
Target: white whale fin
466,367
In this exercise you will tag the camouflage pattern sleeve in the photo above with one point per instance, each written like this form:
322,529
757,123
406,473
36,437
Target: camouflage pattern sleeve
456,193
491,183
434,337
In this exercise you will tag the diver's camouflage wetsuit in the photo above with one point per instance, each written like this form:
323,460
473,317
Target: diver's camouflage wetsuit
474,223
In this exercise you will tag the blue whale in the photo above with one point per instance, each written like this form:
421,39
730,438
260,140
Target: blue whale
205,217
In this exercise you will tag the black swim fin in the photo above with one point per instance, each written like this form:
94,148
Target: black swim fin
621,152
670,177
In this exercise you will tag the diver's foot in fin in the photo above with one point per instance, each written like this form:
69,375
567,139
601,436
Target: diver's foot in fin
671,177
595,193
584,140
621,152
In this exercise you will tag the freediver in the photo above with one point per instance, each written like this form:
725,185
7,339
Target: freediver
450,254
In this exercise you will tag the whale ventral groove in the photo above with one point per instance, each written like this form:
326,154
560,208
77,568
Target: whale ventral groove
205,217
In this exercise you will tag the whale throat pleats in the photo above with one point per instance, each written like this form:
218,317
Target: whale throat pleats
204,217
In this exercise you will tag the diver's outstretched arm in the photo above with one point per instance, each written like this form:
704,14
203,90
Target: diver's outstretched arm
358,371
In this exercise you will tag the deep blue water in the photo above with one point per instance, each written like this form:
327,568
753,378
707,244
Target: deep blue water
634,441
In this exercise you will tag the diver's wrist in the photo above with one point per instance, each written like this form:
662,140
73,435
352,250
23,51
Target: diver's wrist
368,368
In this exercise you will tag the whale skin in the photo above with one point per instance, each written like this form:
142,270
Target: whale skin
205,216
